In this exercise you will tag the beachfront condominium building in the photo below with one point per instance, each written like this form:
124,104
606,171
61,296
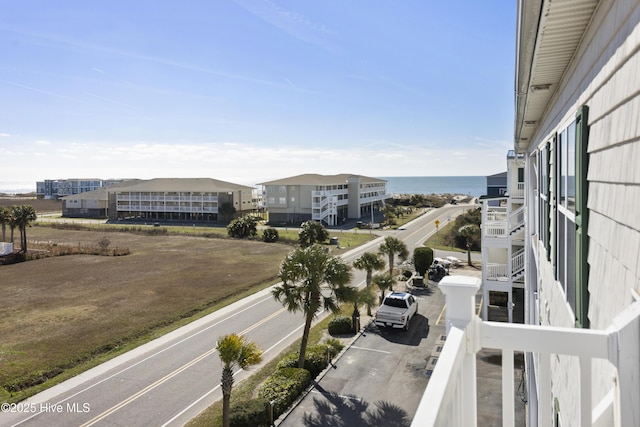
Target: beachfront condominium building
577,131
57,188
165,199
182,199
330,199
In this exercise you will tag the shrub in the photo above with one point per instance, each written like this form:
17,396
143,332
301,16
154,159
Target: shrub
334,344
243,227
422,259
249,413
340,325
283,387
315,360
270,235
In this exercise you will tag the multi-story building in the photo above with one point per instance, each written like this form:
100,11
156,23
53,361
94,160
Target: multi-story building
503,231
165,199
326,198
577,137
57,188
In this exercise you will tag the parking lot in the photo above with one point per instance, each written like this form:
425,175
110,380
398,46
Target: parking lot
380,377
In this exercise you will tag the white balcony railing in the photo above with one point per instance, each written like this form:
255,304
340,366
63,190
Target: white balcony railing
496,271
517,190
451,395
494,229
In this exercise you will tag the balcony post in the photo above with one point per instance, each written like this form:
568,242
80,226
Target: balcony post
460,293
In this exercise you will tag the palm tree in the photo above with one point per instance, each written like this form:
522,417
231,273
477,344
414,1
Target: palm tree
364,296
369,262
470,232
312,232
4,220
383,282
23,216
303,272
392,246
234,350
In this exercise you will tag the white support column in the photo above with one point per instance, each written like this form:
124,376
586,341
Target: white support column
508,392
625,355
460,293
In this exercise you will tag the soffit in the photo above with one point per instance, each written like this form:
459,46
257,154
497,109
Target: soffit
544,60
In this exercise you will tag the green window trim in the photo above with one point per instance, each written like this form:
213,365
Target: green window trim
582,218
548,210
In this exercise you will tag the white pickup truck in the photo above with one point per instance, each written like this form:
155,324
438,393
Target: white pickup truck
396,310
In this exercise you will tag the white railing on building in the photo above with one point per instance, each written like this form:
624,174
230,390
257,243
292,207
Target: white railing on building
494,229
451,395
517,190
493,214
496,271
516,219
517,262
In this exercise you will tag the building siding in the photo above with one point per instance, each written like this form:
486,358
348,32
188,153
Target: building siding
605,75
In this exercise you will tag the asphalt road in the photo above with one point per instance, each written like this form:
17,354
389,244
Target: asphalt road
170,380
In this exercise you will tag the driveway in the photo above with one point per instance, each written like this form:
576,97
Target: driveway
380,378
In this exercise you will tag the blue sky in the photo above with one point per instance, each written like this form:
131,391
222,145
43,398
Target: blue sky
252,90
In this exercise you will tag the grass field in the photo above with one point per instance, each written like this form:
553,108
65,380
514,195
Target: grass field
62,315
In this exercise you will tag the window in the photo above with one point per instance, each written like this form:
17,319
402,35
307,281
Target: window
544,197
566,226
282,200
562,212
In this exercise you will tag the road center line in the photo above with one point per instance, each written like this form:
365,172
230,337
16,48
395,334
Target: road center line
172,374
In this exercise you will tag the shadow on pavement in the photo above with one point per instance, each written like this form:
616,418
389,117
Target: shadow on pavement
418,330
346,411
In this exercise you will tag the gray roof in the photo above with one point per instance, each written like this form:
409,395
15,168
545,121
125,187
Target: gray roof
317,179
182,184
204,185
498,175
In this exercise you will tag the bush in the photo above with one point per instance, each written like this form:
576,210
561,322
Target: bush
315,360
243,227
283,387
270,235
340,325
249,413
335,346
422,259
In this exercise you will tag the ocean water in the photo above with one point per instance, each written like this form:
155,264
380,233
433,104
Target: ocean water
466,185
17,187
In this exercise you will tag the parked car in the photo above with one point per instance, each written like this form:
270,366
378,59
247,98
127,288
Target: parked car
397,310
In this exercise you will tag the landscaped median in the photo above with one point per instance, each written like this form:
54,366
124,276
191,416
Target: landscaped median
280,381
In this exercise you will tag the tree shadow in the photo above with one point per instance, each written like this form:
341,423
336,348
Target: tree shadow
347,410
